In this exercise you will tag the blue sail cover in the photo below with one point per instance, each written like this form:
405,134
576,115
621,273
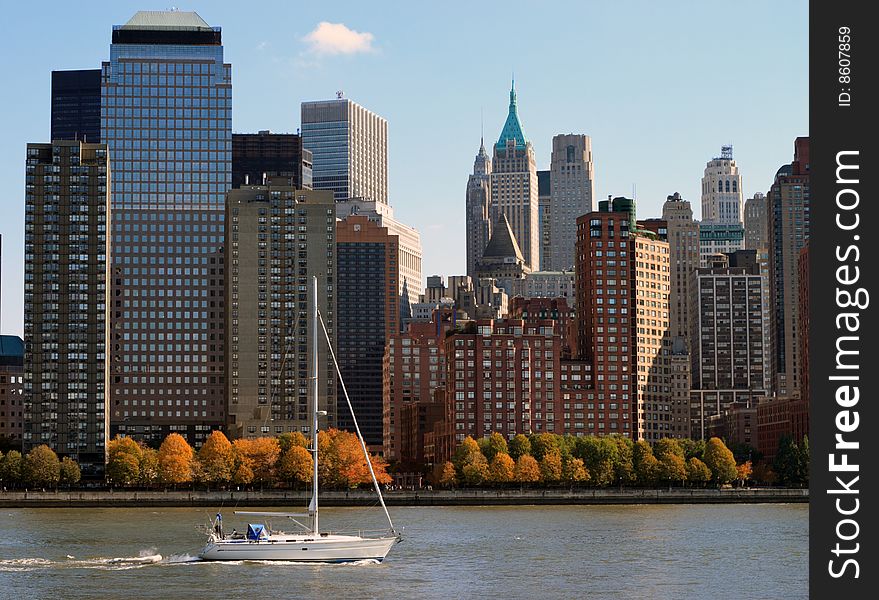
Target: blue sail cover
256,532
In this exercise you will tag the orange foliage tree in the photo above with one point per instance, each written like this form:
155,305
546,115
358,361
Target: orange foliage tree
123,461
527,469
259,456
175,460
217,458
296,465
341,462
502,468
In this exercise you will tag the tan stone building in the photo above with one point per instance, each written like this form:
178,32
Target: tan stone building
277,239
514,187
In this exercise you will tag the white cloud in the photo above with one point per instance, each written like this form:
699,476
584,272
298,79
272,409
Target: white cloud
336,38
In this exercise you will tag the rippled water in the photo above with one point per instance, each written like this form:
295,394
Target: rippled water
674,552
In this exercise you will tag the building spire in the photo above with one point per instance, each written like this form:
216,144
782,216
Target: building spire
512,128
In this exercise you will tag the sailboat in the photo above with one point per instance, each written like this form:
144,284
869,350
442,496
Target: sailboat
309,544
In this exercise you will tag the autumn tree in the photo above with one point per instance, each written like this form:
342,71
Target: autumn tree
720,460
464,453
342,462
217,458
520,445
551,466
645,463
296,465
148,465
447,475
10,468
42,467
475,470
574,471
527,470
743,472
289,439
70,472
260,455
175,460
698,471
495,444
123,461
502,468
764,474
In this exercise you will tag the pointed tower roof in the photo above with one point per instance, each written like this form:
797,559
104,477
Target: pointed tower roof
512,128
503,242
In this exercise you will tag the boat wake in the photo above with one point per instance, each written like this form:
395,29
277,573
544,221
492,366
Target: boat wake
118,563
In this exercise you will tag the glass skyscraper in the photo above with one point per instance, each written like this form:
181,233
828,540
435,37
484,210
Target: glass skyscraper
349,146
166,117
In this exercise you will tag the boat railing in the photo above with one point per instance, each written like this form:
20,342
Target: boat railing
364,533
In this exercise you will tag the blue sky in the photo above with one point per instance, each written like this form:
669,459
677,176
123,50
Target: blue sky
659,86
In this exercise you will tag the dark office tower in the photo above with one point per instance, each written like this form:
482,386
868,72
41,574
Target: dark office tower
788,210
166,102
727,341
367,312
67,215
76,105
278,238
256,157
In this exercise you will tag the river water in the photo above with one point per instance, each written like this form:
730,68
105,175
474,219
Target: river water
640,551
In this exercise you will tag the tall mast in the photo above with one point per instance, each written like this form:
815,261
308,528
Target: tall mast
314,361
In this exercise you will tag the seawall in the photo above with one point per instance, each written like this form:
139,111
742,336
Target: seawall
423,497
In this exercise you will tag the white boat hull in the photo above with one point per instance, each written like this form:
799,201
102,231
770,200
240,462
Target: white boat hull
325,549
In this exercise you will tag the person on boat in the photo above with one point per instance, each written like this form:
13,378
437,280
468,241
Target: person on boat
218,525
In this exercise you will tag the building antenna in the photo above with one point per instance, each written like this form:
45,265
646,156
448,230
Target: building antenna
634,190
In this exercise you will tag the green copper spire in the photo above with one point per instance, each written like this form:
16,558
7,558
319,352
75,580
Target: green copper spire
512,128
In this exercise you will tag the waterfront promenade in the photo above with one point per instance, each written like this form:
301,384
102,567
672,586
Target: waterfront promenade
420,497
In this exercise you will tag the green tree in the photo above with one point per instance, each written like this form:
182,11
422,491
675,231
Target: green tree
527,469
624,468
217,458
541,443
645,464
495,444
693,448
792,462
551,466
599,455
720,460
10,468
42,467
70,473
502,468
520,445
698,472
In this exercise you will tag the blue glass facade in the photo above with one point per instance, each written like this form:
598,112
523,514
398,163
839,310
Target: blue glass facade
166,117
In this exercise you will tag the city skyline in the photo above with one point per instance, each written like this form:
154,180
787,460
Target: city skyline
691,110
